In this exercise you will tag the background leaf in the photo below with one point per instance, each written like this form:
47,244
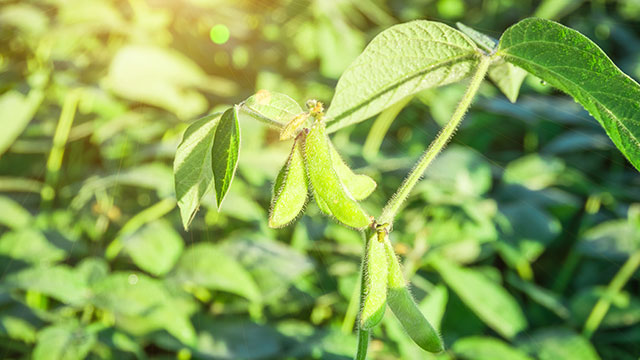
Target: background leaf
155,247
491,302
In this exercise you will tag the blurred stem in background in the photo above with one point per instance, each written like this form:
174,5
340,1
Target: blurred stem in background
54,162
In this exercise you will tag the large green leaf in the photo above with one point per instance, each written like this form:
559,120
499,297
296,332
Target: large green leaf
558,343
207,265
224,154
60,282
64,342
486,348
12,214
192,166
31,246
571,62
401,61
491,302
16,110
155,247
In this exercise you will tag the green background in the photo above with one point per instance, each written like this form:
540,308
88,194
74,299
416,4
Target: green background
531,199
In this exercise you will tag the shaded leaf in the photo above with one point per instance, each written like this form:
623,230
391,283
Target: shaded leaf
558,343
155,247
498,309
63,342
16,110
12,214
207,265
60,282
486,348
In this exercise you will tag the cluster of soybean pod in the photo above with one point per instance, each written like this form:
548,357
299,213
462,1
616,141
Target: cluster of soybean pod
315,164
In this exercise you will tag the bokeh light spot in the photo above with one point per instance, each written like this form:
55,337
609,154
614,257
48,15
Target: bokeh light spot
219,34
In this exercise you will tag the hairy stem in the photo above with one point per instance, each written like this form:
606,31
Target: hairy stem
396,201
602,306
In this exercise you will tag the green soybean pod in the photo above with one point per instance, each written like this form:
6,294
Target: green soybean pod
376,273
325,182
405,309
290,189
360,186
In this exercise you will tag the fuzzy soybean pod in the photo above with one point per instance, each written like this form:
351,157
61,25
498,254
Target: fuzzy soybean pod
290,188
360,186
376,273
325,182
405,309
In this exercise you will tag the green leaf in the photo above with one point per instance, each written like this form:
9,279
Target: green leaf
64,342
558,343
60,282
613,239
485,42
165,78
192,166
290,190
399,62
224,154
491,302
360,186
507,77
486,348
207,265
16,110
325,181
272,107
155,247
30,245
12,214
566,59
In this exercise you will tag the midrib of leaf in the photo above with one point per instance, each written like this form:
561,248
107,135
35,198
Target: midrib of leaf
584,92
335,123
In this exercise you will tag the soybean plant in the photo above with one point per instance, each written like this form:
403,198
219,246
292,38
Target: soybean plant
400,62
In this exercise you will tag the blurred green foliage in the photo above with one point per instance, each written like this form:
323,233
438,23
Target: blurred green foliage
511,239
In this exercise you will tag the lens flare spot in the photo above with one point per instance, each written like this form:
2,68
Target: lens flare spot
219,34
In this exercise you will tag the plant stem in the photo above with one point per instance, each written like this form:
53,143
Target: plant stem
602,306
60,137
394,204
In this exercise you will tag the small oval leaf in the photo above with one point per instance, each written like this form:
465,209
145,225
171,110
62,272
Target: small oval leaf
290,189
375,280
272,107
325,181
405,309
224,154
